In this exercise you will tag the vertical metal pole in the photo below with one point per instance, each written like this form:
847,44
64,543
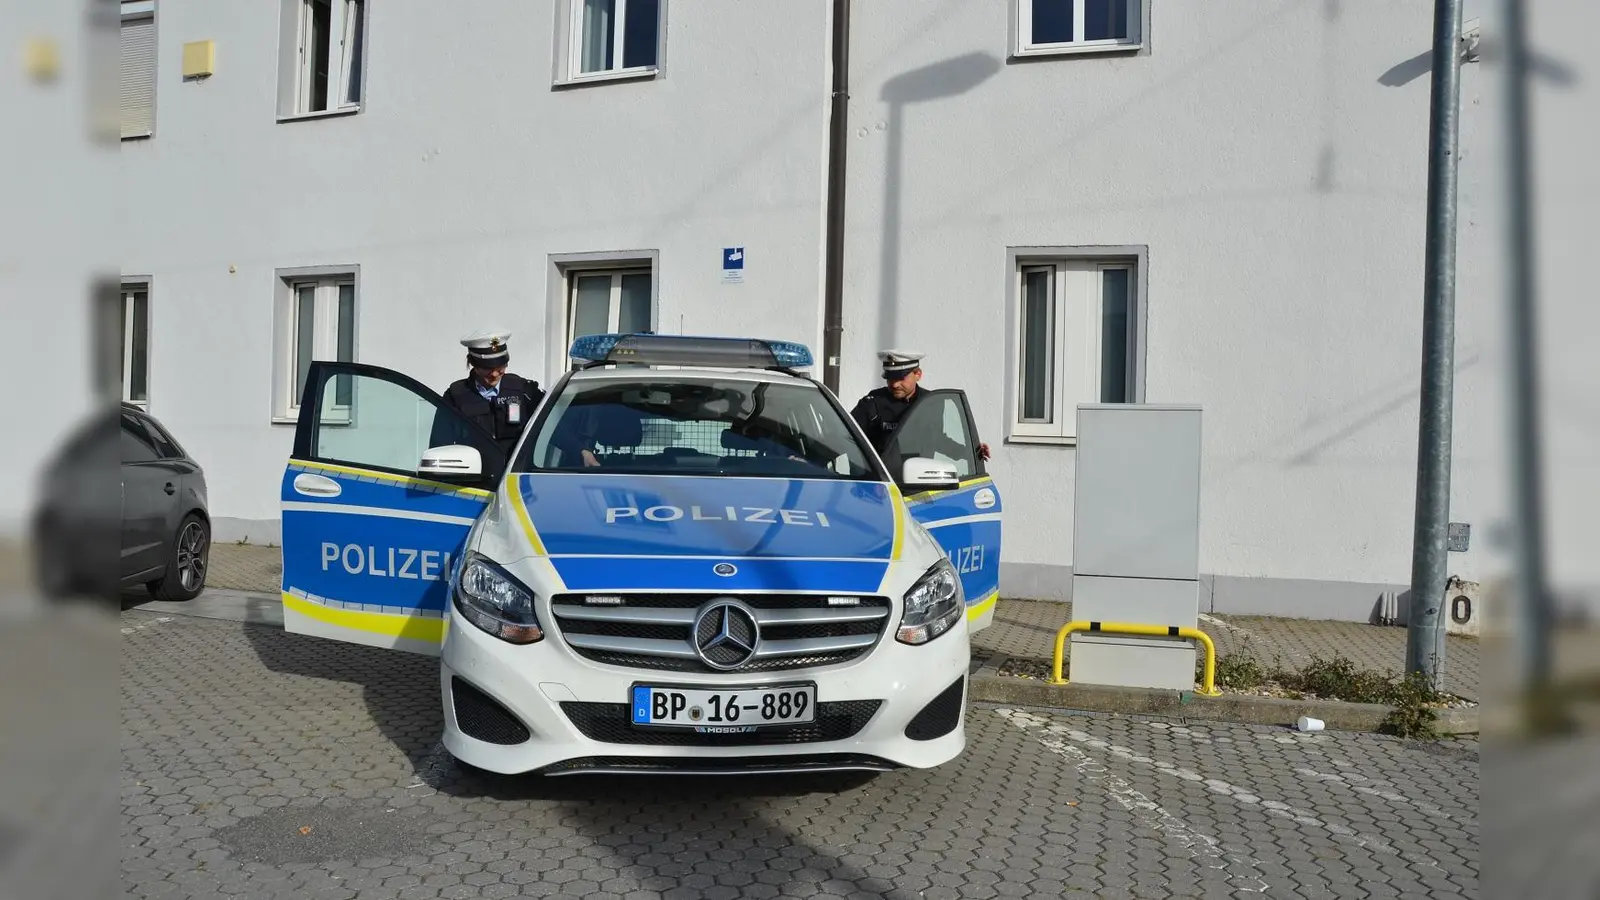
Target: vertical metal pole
1425,629
833,278
1527,532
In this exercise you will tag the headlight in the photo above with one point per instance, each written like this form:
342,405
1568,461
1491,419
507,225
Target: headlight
933,605
492,599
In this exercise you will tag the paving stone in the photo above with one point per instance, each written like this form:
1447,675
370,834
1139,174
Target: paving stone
343,741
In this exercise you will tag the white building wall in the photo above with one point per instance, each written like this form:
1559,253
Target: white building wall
1279,187
1269,159
452,189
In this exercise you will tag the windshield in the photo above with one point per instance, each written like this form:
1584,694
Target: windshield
696,427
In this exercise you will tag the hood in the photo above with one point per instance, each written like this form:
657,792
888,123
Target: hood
644,532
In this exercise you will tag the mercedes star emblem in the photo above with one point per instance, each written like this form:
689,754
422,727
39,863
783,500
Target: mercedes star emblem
726,634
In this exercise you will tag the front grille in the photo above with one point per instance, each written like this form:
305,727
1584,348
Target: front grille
478,715
655,631
610,723
940,716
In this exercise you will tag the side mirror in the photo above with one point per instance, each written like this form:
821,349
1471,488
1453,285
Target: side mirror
929,474
455,460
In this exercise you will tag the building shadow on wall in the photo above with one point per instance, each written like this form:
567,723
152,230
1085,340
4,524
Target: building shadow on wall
938,81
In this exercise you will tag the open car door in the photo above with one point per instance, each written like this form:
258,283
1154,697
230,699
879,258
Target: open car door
964,520
384,485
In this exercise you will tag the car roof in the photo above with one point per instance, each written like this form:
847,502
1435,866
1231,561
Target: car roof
668,374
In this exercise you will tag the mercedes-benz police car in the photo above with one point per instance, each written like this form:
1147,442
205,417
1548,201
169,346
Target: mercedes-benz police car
693,560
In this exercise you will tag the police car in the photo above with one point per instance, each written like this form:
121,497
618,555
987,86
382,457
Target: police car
692,561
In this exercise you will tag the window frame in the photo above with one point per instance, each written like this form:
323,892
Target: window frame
1023,46
564,271
130,287
568,54
346,34
327,280
1076,330
613,300
134,11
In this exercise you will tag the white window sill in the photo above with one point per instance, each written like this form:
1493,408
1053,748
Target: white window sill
140,404
325,423
638,74
323,114
1047,440
1087,49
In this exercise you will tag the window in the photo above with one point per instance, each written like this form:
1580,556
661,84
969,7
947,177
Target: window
938,428
136,343
316,321
1058,26
153,435
611,38
1075,331
137,447
137,59
608,302
323,43
696,426
391,432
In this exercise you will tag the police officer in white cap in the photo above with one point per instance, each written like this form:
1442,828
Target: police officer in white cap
879,413
499,401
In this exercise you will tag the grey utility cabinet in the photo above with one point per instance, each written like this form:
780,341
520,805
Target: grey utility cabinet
1136,542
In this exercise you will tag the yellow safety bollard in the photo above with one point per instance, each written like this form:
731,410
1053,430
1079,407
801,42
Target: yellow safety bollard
1208,683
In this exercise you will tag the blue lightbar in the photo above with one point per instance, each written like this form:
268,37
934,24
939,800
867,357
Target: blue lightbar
690,350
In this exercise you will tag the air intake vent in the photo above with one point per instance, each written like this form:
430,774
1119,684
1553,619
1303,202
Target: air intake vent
940,716
479,716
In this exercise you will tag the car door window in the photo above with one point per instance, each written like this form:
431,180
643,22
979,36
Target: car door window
136,444
373,422
937,427
159,439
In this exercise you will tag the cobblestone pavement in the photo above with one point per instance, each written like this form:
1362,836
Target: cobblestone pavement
261,764
245,567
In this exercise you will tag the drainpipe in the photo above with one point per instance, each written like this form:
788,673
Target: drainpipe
833,278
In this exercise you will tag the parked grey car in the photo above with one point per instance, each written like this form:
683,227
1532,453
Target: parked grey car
160,522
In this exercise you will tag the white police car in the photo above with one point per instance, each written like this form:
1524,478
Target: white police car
693,561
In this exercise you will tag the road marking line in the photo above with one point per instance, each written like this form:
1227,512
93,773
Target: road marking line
1218,786
1391,796
132,628
1244,880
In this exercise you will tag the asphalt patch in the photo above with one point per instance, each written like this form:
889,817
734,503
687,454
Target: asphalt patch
319,834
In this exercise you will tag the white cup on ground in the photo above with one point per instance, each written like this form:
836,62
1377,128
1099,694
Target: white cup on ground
1307,723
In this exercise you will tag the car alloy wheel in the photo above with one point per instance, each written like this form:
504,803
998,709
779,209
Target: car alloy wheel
192,557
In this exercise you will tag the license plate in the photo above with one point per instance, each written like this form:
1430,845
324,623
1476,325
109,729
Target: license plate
730,711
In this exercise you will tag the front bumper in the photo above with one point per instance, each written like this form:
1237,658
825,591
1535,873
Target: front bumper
544,709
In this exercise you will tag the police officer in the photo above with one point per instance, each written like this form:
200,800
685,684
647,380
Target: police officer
880,412
499,401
